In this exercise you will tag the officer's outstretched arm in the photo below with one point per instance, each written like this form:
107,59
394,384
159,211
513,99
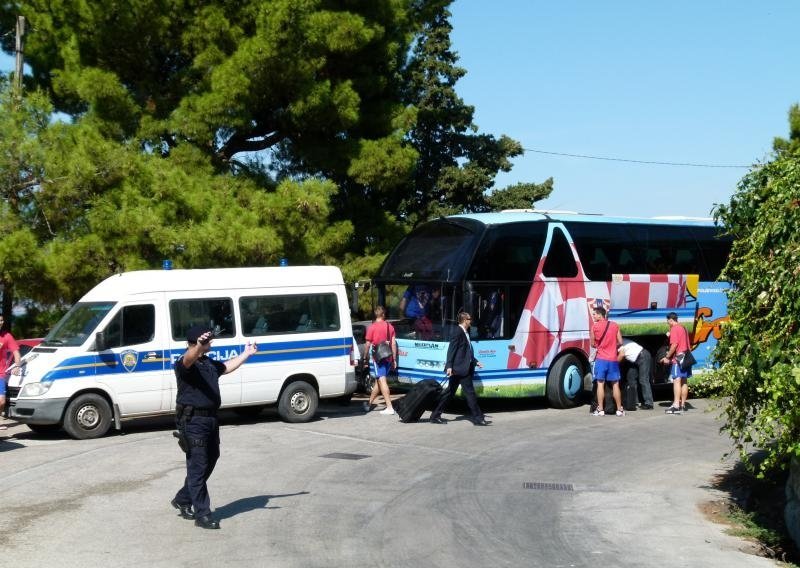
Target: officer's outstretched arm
235,363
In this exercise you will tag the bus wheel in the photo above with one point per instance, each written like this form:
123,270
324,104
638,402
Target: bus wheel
88,416
565,382
298,402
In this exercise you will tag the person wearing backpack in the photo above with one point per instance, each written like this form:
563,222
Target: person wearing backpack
382,346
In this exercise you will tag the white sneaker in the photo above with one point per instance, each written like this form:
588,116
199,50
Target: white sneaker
598,412
367,407
620,412
387,411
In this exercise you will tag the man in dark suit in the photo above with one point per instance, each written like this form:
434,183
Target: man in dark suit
459,367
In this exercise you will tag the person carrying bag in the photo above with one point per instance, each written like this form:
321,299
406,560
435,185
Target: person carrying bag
381,335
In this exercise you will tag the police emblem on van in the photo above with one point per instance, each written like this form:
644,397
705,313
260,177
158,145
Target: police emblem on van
129,359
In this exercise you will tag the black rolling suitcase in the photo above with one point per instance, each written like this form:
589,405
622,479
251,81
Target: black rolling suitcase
630,390
422,396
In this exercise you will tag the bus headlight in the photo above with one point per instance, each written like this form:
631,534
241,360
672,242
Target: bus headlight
35,389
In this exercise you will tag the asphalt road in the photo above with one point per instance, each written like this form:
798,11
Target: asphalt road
539,487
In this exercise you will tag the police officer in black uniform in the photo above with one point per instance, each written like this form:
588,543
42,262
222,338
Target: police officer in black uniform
196,411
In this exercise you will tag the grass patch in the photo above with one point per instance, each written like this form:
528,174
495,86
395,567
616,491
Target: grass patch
509,391
753,510
754,526
651,328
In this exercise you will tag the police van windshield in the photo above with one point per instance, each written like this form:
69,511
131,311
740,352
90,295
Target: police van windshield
77,324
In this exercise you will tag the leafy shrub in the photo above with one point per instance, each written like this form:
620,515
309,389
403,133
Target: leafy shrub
759,353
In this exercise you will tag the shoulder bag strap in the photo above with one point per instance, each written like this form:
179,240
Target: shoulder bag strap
599,341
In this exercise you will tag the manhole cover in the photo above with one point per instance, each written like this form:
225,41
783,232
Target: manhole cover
538,485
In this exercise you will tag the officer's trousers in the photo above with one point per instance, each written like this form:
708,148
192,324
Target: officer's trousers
202,433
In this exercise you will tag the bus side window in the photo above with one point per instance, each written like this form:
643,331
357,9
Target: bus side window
560,262
489,314
714,252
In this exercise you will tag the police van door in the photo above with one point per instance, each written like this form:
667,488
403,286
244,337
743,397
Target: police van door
134,364
215,313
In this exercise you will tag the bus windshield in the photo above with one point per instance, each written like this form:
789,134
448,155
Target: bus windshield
438,251
77,324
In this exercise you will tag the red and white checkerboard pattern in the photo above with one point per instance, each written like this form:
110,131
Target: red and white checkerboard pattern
557,313
641,291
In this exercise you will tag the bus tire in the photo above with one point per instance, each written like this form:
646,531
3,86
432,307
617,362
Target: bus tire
88,416
565,382
298,402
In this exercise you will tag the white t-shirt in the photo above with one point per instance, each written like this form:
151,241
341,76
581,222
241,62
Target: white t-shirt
630,349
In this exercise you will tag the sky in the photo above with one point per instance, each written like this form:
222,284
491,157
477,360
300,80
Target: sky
708,82
705,82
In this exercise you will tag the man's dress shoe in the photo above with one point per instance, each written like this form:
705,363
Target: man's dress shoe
437,421
206,522
185,510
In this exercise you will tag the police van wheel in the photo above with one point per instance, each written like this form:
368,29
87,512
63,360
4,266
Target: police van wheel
565,382
88,416
298,402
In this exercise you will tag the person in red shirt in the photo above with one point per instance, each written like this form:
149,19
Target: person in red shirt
606,338
678,343
8,350
380,331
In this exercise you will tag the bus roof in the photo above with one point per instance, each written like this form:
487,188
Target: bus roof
518,215
222,279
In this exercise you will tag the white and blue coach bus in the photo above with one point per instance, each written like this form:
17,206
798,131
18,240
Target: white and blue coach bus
530,280
110,358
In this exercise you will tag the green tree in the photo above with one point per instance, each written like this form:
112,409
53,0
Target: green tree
456,165
519,196
218,133
21,124
760,349
783,145
78,206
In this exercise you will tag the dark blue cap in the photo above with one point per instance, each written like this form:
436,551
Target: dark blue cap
195,332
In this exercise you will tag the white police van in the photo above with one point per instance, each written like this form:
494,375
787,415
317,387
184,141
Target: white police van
110,358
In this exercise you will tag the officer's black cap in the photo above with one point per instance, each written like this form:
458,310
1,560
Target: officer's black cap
195,332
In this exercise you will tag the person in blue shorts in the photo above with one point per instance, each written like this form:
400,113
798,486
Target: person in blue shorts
678,343
380,331
606,338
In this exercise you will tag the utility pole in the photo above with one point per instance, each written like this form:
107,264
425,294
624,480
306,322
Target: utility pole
7,302
20,51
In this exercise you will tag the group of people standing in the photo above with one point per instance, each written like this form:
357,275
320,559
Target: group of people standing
611,350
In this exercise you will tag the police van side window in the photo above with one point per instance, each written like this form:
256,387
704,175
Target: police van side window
132,325
298,313
214,313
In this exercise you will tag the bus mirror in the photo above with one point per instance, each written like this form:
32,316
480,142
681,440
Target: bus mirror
100,341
